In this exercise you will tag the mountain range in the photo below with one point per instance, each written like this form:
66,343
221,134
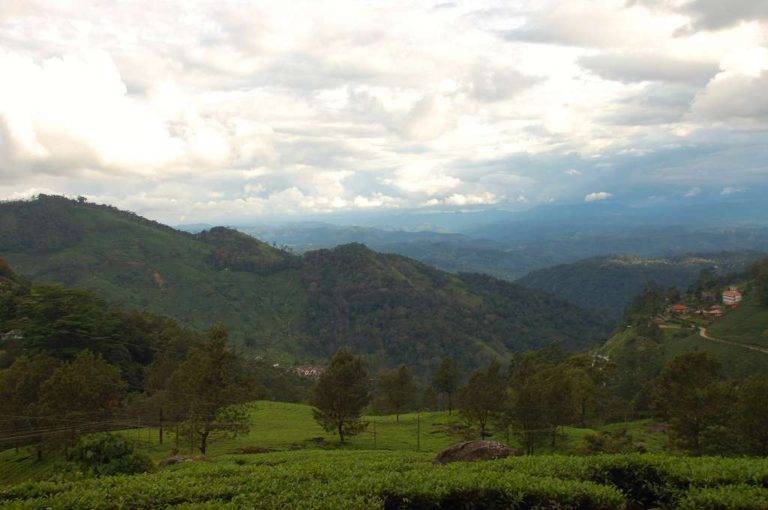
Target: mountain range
281,305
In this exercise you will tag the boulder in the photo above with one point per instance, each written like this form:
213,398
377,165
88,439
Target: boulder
470,451
177,459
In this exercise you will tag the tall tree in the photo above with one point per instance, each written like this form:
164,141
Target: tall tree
548,397
693,397
207,387
20,387
759,274
428,401
341,394
483,397
83,393
397,389
86,387
446,380
752,414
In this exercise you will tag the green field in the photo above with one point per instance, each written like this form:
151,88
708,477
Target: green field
747,324
283,426
301,466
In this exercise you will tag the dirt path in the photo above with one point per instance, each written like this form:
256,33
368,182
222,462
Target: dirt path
703,333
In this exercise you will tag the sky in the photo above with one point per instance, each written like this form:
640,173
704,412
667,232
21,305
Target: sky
206,111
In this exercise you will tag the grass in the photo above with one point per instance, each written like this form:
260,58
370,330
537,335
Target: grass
747,324
284,426
304,467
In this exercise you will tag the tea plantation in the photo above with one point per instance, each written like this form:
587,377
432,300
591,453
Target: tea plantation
375,479
304,468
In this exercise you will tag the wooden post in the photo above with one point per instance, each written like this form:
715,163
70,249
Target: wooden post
161,426
418,431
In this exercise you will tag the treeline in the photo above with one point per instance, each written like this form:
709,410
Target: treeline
70,365
540,392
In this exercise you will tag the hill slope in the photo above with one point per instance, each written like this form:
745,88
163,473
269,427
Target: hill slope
610,283
389,307
450,252
738,339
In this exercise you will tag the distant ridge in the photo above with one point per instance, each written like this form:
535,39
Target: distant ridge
610,283
388,307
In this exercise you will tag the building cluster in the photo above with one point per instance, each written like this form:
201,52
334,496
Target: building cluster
731,298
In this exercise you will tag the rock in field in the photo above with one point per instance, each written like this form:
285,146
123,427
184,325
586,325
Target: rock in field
177,459
470,451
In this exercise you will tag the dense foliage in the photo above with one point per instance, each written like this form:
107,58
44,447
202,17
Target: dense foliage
362,479
390,308
611,283
109,454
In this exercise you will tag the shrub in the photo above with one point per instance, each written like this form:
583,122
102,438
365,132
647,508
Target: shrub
109,454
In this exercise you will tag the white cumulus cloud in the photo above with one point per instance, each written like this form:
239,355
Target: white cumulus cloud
597,196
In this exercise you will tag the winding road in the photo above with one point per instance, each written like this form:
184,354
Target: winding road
703,334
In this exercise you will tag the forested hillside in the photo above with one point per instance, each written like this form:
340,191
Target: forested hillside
610,283
653,332
388,307
61,323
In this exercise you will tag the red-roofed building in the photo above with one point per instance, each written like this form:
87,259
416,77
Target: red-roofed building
732,297
678,308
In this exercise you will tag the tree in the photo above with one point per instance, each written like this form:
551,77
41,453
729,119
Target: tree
428,399
87,387
483,397
759,274
83,393
20,387
559,397
644,306
543,401
341,394
752,414
692,396
397,389
446,379
207,388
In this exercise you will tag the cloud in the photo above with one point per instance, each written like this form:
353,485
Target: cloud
597,196
730,190
734,95
711,14
693,192
649,67
716,15
207,111
591,24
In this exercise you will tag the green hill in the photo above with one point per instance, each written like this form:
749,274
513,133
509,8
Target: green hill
738,339
389,307
610,283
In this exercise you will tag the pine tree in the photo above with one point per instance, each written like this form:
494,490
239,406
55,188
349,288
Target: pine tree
398,389
446,380
341,394
483,397
693,397
207,388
